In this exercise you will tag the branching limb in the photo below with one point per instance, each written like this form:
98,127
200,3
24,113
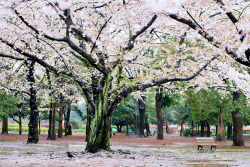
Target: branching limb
210,39
133,37
12,57
129,89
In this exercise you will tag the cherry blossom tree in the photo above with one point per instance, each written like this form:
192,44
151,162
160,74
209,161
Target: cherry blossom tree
108,50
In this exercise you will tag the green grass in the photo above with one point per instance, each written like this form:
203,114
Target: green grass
25,128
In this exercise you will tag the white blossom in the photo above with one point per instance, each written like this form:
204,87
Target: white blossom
170,6
64,4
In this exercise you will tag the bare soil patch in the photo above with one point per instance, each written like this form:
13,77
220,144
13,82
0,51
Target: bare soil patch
126,151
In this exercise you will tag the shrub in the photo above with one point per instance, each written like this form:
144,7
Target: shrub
75,124
187,132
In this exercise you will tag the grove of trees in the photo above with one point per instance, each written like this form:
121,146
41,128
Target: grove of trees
105,51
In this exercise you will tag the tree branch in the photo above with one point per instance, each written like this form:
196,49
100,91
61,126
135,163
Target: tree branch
133,88
133,37
237,58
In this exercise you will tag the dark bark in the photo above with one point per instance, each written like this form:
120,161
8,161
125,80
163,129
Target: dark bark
20,124
229,131
34,114
127,134
67,125
61,112
238,139
39,125
135,122
52,113
158,98
202,128
89,114
192,129
5,125
119,128
208,129
220,135
182,129
52,121
147,128
142,109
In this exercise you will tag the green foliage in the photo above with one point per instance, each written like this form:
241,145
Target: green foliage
125,110
8,104
205,105
182,113
75,124
187,132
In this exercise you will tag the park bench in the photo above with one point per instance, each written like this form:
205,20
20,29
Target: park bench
205,141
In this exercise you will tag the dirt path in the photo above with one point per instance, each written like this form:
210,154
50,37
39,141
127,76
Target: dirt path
126,151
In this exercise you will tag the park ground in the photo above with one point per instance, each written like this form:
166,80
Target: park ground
126,151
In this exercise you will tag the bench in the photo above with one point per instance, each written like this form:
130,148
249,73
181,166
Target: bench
205,141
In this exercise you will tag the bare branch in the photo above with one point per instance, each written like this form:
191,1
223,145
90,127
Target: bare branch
133,37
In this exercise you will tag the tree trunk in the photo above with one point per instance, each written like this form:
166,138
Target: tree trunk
52,121
202,128
39,125
127,134
182,129
238,139
52,113
229,131
142,109
89,112
158,98
208,129
118,128
147,128
135,122
99,137
67,124
220,136
192,129
61,112
5,125
34,113
20,124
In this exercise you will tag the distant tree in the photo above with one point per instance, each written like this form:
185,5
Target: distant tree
8,105
21,113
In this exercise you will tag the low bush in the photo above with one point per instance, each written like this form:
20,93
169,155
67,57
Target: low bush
187,132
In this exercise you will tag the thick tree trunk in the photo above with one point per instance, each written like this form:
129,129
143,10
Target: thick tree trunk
238,139
99,137
52,121
34,113
5,125
220,136
118,128
208,129
229,131
142,109
158,98
202,128
60,130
